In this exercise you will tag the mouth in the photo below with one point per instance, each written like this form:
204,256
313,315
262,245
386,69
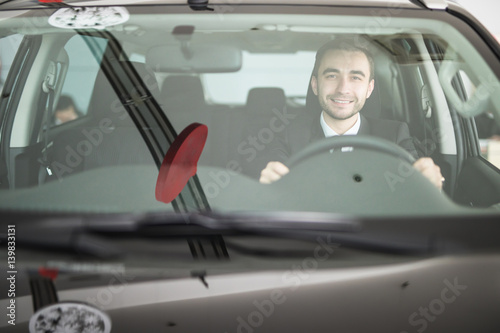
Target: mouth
341,101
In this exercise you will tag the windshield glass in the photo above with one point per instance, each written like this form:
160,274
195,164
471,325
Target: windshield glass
92,118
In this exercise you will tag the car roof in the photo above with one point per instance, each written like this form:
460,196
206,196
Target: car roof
414,4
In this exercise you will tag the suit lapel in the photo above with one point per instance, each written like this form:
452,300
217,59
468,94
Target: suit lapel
364,129
316,130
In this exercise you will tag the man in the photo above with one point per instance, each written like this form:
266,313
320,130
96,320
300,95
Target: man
342,80
66,111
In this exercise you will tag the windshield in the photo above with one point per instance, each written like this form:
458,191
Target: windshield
169,109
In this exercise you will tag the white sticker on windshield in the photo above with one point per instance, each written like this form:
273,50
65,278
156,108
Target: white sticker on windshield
88,17
70,317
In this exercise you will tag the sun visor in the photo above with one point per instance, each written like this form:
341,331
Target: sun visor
194,58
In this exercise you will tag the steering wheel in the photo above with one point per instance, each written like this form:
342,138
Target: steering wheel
355,141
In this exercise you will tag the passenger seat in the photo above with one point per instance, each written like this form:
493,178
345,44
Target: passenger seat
108,137
263,104
184,101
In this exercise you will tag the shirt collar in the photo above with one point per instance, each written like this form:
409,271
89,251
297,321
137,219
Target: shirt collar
328,131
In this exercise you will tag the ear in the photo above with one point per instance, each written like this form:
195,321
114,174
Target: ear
371,85
314,85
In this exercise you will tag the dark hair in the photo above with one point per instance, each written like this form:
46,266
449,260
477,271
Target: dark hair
65,102
343,45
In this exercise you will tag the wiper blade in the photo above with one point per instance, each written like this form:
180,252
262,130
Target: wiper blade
251,221
85,235
345,231
63,234
175,224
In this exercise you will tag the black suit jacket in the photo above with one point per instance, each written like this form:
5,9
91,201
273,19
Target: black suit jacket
304,130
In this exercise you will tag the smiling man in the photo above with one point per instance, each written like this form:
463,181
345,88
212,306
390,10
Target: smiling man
342,80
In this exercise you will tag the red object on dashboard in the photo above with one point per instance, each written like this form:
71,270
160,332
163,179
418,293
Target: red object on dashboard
50,273
180,162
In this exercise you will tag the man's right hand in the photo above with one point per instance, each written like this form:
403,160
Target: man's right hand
273,172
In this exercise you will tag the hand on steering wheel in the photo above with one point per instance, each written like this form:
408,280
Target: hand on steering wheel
275,170
355,141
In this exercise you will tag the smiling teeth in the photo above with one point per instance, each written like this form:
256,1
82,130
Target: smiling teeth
343,102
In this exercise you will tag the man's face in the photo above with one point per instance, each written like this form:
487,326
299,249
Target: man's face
65,115
343,83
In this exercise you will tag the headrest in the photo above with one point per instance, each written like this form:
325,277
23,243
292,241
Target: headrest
184,90
148,77
266,99
104,100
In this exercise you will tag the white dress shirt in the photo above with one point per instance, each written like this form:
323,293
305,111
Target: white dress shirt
328,131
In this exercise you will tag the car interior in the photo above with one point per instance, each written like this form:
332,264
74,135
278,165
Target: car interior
407,89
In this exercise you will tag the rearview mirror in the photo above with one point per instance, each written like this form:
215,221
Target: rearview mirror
195,58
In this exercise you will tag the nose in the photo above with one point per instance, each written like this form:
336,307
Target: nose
343,86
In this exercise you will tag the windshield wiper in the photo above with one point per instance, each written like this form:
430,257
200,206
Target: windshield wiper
63,234
221,222
93,235
344,231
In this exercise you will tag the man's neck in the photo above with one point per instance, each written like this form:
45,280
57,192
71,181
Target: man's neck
340,126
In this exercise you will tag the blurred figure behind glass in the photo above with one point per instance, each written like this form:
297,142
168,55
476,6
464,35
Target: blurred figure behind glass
65,111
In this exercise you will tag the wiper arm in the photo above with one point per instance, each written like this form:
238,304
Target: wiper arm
347,232
278,221
83,235
175,224
63,234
